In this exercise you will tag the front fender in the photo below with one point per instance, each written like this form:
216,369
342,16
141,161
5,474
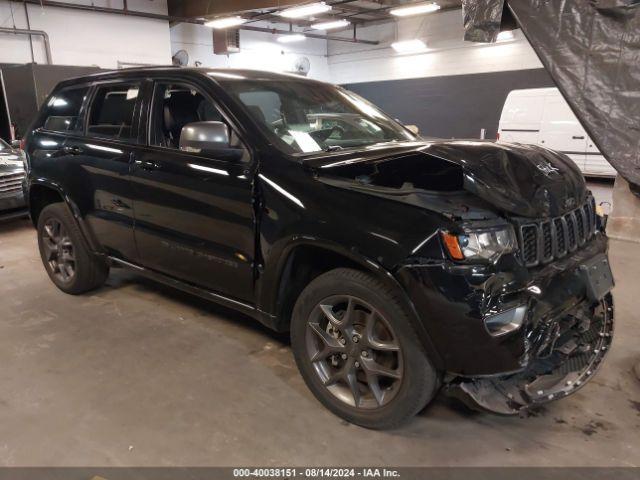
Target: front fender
269,284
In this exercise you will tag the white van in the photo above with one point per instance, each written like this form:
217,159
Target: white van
542,116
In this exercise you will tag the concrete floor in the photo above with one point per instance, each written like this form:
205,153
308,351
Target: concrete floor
137,374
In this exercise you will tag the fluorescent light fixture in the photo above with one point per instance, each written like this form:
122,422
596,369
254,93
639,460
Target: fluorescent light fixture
415,9
505,36
331,25
296,37
226,22
409,46
305,10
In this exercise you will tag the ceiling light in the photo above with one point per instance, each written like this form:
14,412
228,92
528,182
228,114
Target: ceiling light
409,46
505,36
305,10
331,25
297,37
227,22
415,9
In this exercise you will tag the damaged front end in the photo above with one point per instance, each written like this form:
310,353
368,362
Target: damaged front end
565,351
511,280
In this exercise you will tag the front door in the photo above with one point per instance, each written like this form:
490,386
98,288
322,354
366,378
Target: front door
194,212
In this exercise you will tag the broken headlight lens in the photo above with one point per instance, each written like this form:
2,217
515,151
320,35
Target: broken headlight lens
481,245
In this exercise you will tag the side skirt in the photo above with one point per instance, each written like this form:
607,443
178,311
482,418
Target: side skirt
246,308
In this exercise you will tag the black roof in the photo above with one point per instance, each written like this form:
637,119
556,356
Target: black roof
219,74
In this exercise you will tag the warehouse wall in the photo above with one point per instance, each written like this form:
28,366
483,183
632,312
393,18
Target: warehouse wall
259,50
455,89
88,38
448,54
452,106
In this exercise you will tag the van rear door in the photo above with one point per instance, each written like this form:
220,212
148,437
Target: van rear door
521,117
595,163
561,131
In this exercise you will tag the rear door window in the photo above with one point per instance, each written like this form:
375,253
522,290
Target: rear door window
112,111
62,112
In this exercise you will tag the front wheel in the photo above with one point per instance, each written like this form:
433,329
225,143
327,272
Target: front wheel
357,351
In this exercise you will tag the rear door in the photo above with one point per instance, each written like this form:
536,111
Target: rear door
102,160
561,131
194,212
92,164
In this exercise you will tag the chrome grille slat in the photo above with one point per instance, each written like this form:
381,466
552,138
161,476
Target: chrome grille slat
11,182
542,241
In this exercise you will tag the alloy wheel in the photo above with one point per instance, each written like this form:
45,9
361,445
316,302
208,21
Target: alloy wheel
59,250
354,352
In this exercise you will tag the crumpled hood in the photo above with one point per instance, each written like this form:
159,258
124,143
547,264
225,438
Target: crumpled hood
523,180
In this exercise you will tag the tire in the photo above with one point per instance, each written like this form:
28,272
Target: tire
366,367
65,256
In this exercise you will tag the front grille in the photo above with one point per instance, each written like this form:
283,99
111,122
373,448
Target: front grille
544,240
11,182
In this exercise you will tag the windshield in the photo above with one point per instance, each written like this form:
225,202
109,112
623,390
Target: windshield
302,117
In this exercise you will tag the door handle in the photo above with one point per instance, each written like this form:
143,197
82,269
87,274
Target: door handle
147,165
72,150
578,137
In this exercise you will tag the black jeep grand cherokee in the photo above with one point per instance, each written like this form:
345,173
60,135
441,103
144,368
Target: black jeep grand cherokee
398,265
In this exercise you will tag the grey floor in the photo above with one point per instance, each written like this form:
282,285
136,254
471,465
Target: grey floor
136,374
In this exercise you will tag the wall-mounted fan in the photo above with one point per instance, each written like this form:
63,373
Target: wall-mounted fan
301,66
180,58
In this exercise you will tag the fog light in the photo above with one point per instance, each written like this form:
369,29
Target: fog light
505,322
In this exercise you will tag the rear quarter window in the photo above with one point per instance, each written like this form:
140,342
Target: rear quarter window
62,111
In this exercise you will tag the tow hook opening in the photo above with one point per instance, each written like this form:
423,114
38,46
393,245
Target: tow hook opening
565,353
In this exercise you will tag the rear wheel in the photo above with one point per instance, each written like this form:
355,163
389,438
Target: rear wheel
66,258
357,351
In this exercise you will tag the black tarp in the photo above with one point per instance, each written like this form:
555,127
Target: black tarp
591,49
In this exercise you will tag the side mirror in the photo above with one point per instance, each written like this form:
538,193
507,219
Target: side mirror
201,136
15,144
413,129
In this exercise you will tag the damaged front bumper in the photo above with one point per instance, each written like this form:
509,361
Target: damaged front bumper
551,352
566,353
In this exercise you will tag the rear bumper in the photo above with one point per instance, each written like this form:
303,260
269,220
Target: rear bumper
564,358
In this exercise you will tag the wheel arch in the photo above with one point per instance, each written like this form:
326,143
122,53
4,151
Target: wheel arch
42,193
304,259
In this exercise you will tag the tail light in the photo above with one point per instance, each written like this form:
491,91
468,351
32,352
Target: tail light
498,136
23,143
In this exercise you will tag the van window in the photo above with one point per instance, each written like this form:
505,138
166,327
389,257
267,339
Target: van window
63,109
112,111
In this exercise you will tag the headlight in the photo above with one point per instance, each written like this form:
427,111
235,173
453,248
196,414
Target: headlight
486,244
